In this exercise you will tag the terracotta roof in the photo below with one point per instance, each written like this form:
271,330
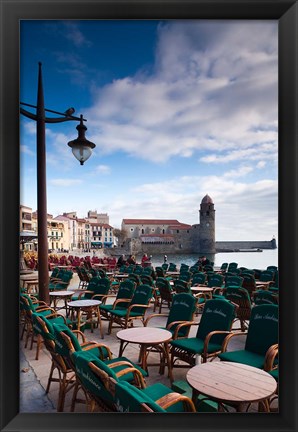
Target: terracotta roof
151,222
180,226
60,217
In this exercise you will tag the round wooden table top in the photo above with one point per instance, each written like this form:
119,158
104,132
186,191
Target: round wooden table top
29,277
61,293
83,303
201,289
145,335
231,382
23,272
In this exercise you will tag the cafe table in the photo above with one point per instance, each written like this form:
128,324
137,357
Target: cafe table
233,384
55,296
89,307
263,285
202,289
26,278
149,339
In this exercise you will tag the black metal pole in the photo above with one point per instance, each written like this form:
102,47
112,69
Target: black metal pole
42,224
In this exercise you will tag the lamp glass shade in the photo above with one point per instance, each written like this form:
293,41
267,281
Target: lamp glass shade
81,152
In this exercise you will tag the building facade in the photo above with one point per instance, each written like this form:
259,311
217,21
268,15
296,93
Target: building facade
172,236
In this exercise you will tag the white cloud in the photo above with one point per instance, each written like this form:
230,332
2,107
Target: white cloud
26,150
103,169
64,182
262,151
214,87
74,35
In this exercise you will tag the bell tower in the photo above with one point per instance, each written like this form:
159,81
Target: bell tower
207,226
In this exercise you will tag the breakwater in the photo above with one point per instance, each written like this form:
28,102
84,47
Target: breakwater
236,246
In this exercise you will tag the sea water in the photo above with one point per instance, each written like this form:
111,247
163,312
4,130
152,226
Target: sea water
251,260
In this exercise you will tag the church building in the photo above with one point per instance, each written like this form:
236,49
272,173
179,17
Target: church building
172,236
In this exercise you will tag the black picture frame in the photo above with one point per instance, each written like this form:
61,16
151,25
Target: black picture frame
12,11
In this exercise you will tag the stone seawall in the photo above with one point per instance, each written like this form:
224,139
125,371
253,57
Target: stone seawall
239,245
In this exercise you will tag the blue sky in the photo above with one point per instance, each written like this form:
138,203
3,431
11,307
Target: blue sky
177,110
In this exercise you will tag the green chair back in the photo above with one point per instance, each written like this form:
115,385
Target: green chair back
55,272
199,278
264,297
61,346
182,309
130,399
93,383
165,266
138,270
148,271
181,286
50,334
266,276
147,280
263,329
126,289
135,278
232,266
233,281
215,280
185,276
160,272
142,296
217,315
98,285
172,267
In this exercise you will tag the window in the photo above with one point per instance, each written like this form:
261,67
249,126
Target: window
131,229
152,229
177,231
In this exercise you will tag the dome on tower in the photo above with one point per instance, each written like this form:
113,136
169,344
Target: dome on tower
207,200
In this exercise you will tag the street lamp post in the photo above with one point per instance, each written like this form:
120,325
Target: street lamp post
81,148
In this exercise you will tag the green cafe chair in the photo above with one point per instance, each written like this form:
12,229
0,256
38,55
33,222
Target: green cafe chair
97,379
216,322
30,305
97,288
181,312
163,293
156,398
240,296
125,292
262,334
65,378
136,308
63,283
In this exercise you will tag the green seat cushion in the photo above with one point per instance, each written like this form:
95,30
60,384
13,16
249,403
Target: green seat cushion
194,345
245,357
109,307
157,391
122,313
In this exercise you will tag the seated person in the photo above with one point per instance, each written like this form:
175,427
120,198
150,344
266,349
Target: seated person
121,261
131,259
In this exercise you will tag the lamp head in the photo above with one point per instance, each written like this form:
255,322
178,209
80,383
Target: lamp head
81,147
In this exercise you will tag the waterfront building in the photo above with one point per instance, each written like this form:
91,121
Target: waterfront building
172,236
